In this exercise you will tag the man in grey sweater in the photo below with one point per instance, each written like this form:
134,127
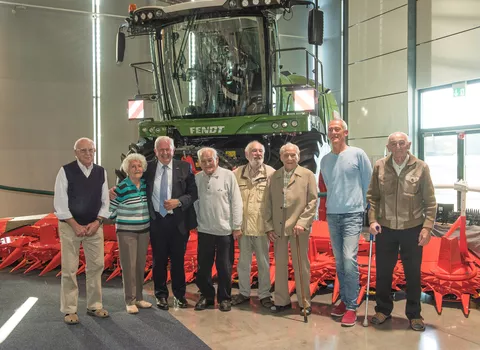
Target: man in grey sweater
219,215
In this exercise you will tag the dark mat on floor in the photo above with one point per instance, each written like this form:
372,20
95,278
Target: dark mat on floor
43,326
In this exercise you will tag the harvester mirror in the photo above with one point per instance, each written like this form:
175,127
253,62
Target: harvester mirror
120,46
315,27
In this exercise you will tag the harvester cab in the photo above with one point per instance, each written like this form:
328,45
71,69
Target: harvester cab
217,80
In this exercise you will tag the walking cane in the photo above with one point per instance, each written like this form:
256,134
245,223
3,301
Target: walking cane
365,321
305,318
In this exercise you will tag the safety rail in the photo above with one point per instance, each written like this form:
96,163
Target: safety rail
26,190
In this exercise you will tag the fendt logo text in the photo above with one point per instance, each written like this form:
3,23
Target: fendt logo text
207,129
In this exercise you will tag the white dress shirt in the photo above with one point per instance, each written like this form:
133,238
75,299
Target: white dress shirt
60,199
399,168
156,185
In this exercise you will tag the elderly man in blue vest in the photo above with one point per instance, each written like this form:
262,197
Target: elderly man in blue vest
81,204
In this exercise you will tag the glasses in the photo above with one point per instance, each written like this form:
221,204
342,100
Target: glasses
86,150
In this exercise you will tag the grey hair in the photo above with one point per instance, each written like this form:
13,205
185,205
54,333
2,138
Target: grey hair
164,138
344,124
83,139
250,145
201,151
134,156
398,132
287,145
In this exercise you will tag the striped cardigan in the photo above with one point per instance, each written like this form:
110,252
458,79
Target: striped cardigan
130,207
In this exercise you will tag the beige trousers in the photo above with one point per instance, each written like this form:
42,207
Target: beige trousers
133,256
282,297
93,249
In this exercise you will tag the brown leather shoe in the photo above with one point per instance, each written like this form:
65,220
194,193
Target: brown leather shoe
379,318
101,313
71,319
417,324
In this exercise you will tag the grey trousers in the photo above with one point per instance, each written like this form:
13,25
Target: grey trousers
282,297
133,255
70,248
258,245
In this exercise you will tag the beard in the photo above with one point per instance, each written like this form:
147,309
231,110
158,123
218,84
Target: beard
256,163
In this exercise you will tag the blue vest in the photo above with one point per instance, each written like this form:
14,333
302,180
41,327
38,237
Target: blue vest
84,194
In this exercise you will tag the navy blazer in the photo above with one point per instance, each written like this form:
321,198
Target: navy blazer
183,188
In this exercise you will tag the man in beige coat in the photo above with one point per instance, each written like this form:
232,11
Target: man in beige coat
290,207
252,179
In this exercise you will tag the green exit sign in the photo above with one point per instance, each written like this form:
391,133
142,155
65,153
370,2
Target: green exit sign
459,90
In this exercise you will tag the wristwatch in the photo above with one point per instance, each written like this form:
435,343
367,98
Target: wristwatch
100,220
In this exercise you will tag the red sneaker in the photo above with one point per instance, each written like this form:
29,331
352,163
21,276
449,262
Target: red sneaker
349,319
339,310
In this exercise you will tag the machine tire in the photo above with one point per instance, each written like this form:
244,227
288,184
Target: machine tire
310,145
144,147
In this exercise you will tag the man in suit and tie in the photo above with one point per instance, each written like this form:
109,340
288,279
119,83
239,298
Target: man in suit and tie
171,191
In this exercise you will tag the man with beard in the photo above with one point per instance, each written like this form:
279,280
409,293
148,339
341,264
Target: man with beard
252,180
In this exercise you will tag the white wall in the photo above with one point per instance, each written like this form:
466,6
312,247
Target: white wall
448,38
377,77
46,89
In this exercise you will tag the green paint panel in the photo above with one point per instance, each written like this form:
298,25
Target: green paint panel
245,125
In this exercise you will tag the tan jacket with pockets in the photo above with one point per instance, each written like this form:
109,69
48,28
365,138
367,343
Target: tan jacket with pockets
405,201
301,199
253,197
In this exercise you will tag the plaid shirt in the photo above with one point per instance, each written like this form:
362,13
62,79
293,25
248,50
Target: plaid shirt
287,175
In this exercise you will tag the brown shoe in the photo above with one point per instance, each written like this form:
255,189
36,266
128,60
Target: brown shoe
379,318
417,324
102,313
239,299
71,319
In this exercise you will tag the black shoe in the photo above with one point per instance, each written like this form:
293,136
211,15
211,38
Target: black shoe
182,303
225,305
203,303
162,303
280,308
309,311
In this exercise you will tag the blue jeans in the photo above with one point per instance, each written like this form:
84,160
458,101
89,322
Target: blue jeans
344,233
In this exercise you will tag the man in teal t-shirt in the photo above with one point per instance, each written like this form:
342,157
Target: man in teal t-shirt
347,172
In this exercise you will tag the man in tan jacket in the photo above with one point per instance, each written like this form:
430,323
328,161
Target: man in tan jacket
402,214
252,180
290,207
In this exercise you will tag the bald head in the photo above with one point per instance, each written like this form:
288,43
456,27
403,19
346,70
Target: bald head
398,134
399,145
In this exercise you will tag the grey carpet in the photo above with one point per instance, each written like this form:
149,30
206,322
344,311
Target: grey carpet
43,326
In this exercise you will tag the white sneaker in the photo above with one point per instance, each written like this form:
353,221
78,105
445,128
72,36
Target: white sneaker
132,309
142,304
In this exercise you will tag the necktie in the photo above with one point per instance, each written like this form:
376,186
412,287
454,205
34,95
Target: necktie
163,191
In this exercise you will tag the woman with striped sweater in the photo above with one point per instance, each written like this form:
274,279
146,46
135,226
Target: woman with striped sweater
130,210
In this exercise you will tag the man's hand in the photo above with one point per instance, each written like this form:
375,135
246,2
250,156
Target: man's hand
297,229
80,231
424,237
236,234
92,228
375,228
171,204
272,236
111,193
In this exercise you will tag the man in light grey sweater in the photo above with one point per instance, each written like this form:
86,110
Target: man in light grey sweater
219,211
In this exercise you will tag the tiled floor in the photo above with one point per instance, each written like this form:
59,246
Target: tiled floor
252,327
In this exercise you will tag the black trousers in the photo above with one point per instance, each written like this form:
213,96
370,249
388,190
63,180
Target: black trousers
220,249
167,242
387,245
